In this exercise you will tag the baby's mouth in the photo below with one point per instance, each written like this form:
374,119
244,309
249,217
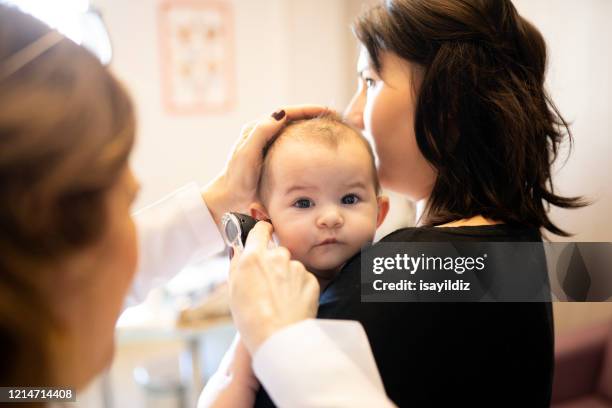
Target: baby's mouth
328,241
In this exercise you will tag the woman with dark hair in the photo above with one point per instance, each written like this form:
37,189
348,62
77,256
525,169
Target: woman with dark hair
452,93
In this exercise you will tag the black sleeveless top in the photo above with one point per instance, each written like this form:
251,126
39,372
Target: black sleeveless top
451,354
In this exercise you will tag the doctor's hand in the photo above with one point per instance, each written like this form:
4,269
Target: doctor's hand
235,188
268,291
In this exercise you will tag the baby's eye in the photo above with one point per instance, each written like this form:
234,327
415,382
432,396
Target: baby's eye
303,203
350,199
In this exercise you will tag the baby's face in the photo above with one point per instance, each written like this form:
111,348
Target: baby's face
322,202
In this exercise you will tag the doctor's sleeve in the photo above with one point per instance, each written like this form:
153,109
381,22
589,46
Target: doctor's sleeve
172,233
320,363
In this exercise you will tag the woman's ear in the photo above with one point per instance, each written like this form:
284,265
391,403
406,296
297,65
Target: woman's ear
383,209
258,211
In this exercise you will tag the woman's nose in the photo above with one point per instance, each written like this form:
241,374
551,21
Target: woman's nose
330,218
353,113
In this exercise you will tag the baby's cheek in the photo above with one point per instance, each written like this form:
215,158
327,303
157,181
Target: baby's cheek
366,226
291,238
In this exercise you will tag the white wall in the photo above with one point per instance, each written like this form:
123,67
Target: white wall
579,38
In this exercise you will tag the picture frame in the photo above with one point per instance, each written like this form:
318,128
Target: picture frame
197,56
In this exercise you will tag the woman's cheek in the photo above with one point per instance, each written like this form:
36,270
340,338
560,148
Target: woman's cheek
368,114
133,252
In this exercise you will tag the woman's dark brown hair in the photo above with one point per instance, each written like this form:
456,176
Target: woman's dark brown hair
66,131
483,118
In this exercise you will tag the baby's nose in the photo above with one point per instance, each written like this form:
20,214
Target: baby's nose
330,218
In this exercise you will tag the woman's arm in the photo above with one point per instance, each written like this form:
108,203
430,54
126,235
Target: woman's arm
320,363
172,233
234,384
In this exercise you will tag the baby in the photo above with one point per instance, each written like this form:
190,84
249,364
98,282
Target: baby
319,189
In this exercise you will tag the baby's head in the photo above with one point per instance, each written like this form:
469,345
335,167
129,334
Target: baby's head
319,188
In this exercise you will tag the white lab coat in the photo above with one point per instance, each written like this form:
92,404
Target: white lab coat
315,363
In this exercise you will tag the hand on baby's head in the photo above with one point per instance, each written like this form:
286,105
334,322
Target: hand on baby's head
320,190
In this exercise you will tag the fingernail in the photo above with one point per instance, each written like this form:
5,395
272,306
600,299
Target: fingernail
231,252
278,115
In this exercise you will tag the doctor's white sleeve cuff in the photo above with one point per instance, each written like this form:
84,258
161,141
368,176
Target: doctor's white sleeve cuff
320,363
172,233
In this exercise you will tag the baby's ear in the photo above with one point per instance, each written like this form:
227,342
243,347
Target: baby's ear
258,211
383,209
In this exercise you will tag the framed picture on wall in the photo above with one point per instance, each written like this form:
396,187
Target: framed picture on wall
197,56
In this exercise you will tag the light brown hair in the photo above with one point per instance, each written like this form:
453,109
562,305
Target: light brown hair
66,131
328,129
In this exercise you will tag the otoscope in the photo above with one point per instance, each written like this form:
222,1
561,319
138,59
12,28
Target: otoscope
235,228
